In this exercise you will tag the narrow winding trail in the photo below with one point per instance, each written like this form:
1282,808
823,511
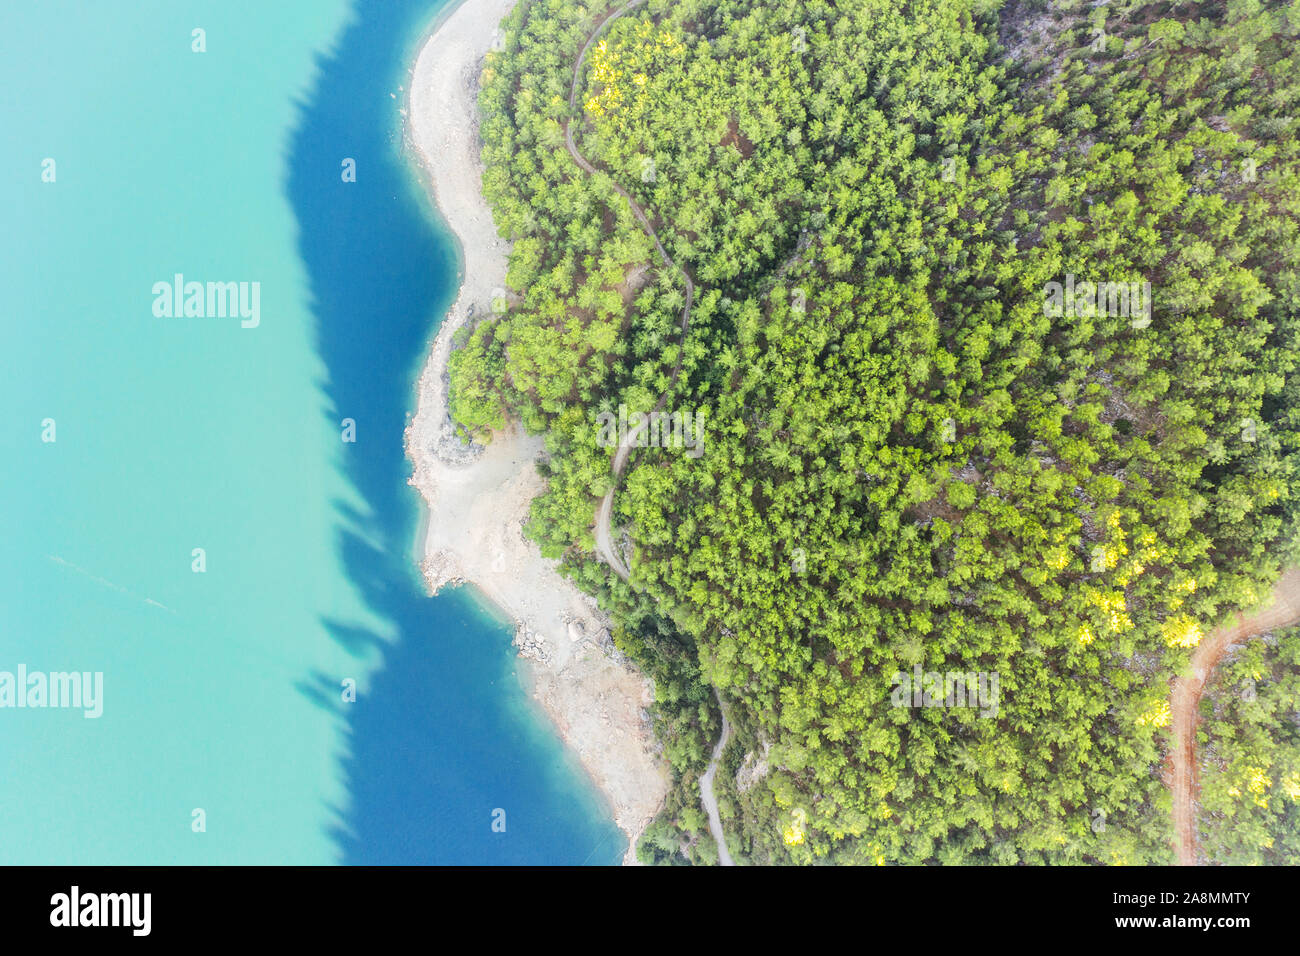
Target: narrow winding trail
604,545
706,788
1282,611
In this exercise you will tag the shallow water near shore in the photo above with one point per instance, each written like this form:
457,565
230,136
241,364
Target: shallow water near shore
223,690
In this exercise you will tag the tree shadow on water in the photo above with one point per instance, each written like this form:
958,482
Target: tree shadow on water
440,737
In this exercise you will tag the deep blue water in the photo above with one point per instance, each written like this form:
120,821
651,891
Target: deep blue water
443,738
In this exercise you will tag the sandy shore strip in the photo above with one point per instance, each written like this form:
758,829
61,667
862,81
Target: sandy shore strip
478,499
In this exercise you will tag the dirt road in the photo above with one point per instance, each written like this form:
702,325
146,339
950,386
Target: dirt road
1282,611
706,789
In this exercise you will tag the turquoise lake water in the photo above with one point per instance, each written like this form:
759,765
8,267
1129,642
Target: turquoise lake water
222,690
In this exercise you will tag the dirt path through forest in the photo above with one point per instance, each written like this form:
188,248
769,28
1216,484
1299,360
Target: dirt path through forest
706,789
604,544
1282,611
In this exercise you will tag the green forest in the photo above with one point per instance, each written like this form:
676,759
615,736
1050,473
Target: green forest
995,337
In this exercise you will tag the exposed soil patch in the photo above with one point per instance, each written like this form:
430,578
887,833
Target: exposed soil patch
737,139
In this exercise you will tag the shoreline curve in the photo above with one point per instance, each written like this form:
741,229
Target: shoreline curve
477,498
